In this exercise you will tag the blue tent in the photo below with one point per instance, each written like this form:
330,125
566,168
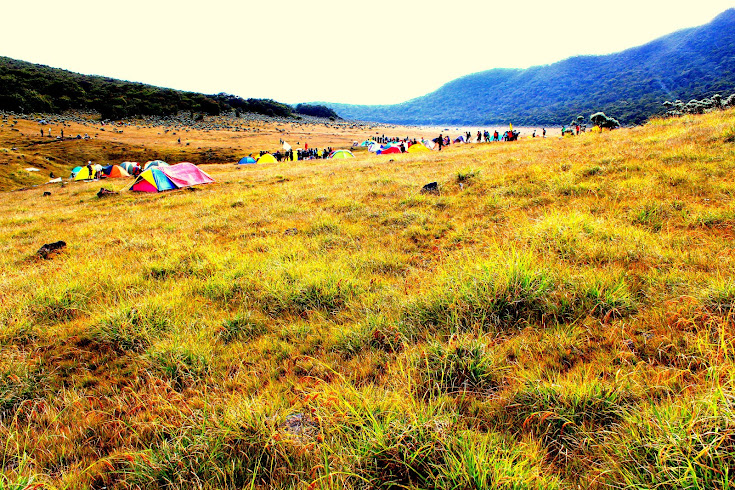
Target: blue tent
246,160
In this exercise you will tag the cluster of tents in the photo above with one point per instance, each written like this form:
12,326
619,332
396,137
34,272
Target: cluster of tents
268,158
395,147
154,176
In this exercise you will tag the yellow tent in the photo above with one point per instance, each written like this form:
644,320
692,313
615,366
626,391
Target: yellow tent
267,158
83,174
417,148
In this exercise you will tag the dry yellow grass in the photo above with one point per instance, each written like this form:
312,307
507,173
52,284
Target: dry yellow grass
559,316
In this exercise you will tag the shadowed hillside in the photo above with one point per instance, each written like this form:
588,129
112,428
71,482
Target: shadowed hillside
631,85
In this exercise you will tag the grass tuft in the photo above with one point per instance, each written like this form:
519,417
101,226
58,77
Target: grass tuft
463,367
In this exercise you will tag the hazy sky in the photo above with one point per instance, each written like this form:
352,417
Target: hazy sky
329,50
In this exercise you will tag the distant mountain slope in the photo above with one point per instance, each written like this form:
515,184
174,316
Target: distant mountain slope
28,87
630,85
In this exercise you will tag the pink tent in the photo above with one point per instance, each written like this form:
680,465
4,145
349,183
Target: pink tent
185,174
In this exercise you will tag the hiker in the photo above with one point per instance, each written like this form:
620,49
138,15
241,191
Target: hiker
479,137
440,141
89,169
544,132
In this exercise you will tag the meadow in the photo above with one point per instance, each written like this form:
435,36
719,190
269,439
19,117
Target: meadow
559,315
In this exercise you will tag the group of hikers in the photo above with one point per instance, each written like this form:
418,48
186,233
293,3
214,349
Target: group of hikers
482,136
305,154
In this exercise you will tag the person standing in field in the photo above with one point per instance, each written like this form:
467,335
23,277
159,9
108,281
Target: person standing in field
441,142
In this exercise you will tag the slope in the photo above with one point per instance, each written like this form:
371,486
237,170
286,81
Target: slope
630,85
560,316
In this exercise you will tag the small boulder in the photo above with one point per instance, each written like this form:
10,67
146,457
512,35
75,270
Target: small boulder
51,249
105,192
430,188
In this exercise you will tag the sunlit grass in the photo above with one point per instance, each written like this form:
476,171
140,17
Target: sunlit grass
560,315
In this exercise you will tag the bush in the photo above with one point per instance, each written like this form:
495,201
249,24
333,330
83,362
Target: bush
601,120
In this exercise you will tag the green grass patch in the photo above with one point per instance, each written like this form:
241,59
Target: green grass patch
462,367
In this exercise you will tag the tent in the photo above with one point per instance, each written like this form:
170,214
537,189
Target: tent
459,139
246,160
114,171
165,178
83,173
418,147
152,180
74,172
155,163
186,174
341,154
130,166
366,143
267,158
389,150
374,147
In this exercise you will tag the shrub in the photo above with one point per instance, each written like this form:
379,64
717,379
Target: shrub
601,120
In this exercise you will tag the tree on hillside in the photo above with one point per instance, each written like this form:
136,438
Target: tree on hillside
604,122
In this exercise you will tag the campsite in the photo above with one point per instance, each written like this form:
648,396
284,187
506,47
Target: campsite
551,315
351,246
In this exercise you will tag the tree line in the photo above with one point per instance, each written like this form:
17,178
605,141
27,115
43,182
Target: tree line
29,88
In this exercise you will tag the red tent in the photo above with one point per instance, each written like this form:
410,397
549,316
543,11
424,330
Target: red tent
392,149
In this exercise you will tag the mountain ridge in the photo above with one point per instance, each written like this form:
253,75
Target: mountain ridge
631,85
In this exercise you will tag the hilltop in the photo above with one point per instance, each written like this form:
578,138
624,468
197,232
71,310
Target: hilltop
630,85
558,315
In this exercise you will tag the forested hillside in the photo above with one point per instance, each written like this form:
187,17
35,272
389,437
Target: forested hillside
631,85
27,87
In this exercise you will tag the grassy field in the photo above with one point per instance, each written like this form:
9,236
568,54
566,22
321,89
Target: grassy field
560,315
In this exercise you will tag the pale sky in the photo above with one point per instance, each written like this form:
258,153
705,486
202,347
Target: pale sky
376,52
